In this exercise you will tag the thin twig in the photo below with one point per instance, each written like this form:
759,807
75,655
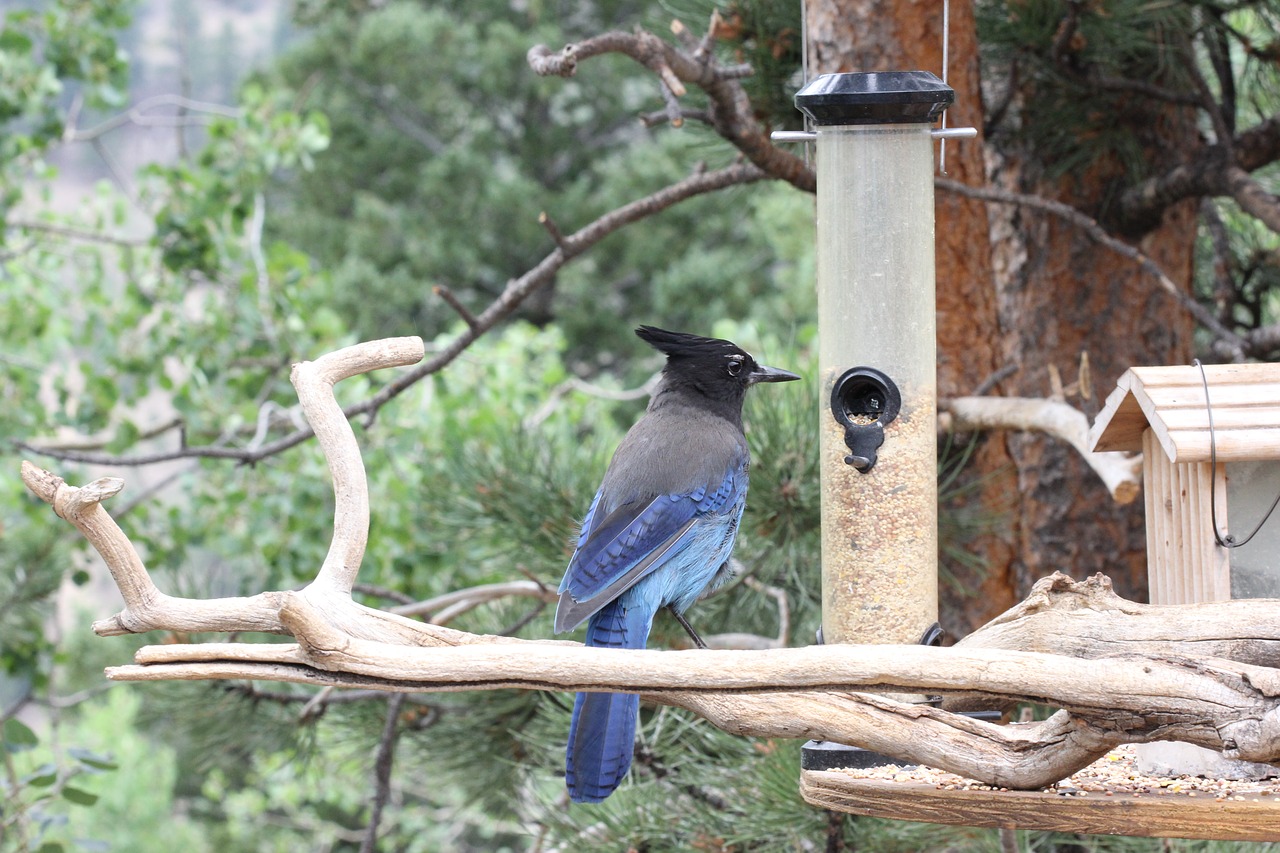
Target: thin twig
382,770
451,299
554,230
383,592
658,118
253,235
138,114
73,233
451,604
575,385
995,379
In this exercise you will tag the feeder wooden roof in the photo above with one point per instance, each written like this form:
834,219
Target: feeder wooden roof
1171,401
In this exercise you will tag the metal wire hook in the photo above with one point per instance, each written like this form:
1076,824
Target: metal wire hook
1227,541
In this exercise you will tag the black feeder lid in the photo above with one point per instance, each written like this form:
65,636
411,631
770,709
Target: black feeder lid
875,97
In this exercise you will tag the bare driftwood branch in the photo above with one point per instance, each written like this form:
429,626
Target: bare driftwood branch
1213,683
1120,472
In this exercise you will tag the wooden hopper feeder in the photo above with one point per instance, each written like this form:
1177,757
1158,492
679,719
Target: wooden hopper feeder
1210,443
1194,475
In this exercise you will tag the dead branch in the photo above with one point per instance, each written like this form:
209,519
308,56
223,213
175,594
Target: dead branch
188,112
1214,683
1202,175
1120,472
1253,198
729,110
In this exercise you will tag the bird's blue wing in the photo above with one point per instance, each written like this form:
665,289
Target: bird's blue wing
620,548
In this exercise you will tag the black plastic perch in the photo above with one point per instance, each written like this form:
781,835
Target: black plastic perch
864,401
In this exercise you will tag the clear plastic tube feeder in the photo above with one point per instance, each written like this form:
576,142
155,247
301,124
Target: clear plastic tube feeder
877,352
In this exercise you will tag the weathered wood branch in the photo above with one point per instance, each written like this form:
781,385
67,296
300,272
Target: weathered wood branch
1121,672
1121,473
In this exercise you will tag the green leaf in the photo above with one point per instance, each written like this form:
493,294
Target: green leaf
50,847
79,796
92,759
127,434
42,777
14,42
17,737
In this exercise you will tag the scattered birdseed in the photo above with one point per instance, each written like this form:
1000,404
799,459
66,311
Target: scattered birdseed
1115,773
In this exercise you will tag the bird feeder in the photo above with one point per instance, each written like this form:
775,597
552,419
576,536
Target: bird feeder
877,351
1210,442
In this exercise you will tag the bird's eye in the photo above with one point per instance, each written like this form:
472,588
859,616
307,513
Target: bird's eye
735,366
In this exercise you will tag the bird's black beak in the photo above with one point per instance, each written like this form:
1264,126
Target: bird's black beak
771,374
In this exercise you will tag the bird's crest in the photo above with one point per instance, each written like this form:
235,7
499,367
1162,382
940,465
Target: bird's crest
685,345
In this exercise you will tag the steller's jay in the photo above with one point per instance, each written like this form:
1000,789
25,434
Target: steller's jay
658,533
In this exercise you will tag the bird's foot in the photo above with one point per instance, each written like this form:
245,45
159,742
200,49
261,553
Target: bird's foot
684,623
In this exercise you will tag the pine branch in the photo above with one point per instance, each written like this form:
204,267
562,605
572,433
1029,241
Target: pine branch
382,770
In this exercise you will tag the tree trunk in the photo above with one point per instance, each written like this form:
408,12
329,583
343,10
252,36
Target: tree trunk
1016,287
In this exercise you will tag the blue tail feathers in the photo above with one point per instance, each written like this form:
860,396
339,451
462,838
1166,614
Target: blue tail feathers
601,739
602,733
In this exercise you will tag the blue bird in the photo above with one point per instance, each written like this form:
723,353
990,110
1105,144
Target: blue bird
658,534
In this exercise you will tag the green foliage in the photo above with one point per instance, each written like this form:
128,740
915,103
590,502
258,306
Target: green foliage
39,786
211,198
136,811
438,172
42,53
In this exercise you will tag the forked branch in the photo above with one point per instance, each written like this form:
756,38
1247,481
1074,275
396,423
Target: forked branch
1212,681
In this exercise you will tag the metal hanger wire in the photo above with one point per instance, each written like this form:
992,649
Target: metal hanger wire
1227,541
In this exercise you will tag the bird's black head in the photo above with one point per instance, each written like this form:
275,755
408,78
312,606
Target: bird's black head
718,369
